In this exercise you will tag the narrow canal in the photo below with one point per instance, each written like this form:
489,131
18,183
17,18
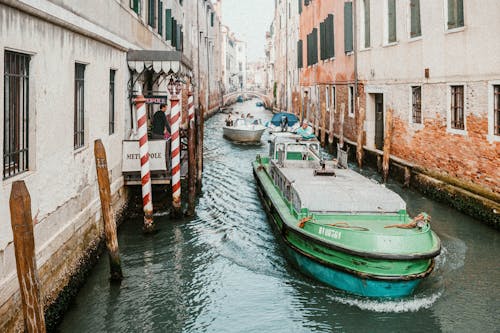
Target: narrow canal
224,271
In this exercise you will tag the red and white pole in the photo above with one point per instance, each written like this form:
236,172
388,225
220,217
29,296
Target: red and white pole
190,106
175,122
147,197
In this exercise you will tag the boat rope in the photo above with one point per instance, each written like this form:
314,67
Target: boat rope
303,221
420,221
347,226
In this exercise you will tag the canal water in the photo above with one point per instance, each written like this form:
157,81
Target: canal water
225,271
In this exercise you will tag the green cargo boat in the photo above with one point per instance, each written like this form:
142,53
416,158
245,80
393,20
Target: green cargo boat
340,227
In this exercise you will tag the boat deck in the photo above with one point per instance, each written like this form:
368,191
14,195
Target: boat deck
347,192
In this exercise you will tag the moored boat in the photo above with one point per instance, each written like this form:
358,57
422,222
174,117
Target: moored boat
340,227
283,122
244,130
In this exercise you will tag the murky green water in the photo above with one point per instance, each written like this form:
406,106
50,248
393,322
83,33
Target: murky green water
224,270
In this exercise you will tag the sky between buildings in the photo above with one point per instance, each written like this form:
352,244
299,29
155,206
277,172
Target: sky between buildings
249,19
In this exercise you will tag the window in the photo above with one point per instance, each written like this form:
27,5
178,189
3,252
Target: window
15,114
351,100
151,13
300,6
327,50
333,98
312,47
391,21
136,6
348,35
416,103
212,19
79,120
112,74
366,12
160,17
300,62
496,109
457,107
455,14
168,24
415,28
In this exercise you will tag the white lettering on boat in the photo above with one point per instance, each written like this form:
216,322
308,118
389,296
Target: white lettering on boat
330,233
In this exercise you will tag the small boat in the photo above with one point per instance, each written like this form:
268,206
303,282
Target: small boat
239,99
259,104
283,122
244,130
340,227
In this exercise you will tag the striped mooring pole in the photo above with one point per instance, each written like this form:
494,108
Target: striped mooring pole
190,106
147,197
175,122
191,157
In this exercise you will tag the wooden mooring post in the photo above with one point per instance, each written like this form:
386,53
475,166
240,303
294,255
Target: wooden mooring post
108,217
359,141
191,157
387,143
199,151
341,131
24,246
323,115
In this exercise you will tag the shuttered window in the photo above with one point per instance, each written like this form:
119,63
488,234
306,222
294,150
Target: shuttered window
174,33
160,17
211,19
391,21
79,110
322,40
300,6
136,6
112,74
496,109
348,44
168,24
367,22
330,38
455,14
315,46
416,29
151,13
457,107
300,61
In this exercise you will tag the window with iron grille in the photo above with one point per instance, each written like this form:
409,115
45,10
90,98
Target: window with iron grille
496,109
112,74
79,116
15,114
457,107
416,112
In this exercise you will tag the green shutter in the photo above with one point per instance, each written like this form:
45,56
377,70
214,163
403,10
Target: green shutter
367,23
322,41
160,17
212,19
391,21
168,24
178,39
348,44
330,37
135,5
460,13
415,18
174,33
300,6
300,63
151,13
315,45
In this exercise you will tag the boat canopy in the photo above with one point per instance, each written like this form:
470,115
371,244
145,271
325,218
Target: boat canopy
292,119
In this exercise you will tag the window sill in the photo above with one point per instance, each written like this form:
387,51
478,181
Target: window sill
417,126
390,44
351,114
414,39
80,149
21,176
349,53
456,131
454,30
364,49
494,138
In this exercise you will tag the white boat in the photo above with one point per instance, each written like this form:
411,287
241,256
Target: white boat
244,130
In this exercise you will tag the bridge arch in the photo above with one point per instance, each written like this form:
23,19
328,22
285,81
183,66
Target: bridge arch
231,97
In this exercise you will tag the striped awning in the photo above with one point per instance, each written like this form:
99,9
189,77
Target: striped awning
167,62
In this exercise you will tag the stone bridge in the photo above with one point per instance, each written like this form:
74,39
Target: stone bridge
231,97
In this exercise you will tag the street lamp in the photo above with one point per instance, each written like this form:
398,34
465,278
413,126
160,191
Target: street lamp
174,87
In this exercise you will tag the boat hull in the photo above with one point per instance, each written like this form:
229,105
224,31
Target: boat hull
339,277
243,135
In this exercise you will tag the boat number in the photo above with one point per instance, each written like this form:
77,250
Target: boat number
330,233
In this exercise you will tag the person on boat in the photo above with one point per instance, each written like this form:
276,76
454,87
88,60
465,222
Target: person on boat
229,120
305,131
249,115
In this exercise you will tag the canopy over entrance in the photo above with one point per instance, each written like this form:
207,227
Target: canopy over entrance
165,62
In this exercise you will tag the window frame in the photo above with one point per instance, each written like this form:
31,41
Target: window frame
386,41
456,28
416,37
79,108
350,101
20,130
492,137
112,101
449,127
412,106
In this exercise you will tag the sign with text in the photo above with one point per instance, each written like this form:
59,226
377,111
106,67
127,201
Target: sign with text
132,156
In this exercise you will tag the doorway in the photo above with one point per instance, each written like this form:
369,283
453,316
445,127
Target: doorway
379,121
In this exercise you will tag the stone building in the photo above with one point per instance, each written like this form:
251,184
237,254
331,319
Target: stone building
71,69
436,64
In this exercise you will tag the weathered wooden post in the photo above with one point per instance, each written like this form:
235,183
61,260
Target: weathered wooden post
387,143
331,134
191,157
147,196
359,141
300,105
101,165
199,153
24,246
175,122
323,115
341,131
